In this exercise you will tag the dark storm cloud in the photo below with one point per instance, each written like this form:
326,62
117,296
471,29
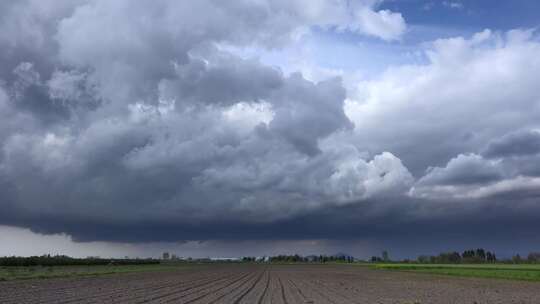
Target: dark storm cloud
410,227
127,119
521,143
132,122
518,152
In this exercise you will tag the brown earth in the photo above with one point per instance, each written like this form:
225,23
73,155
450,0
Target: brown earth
281,284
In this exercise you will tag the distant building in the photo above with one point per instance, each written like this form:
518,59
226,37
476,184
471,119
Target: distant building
166,256
262,259
312,258
385,256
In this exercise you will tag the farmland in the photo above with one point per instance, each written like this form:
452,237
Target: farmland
8,273
528,272
269,283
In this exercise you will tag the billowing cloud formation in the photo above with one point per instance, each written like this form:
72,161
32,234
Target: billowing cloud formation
465,125
137,120
464,169
383,24
123,128
471,91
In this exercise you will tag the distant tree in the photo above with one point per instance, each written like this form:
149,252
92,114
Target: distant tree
475,256
166,256
468,255
480,254
454,257
376,259
490,257
447,258
516,259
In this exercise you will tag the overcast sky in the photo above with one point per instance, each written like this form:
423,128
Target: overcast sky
253,127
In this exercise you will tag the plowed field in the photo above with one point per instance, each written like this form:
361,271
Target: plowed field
283,284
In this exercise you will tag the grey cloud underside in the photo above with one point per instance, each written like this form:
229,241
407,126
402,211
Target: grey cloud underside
144,129
464,169
411,227
520,143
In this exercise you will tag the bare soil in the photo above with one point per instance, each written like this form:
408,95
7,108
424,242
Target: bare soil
262,284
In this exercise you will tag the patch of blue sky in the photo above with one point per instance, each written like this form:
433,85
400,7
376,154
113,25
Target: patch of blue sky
329,51
468,14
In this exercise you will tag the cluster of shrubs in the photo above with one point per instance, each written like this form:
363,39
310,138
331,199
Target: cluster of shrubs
63,260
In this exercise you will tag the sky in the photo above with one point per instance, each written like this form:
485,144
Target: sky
257,127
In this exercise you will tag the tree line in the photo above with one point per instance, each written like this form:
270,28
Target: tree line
296,258
63,260
471,256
